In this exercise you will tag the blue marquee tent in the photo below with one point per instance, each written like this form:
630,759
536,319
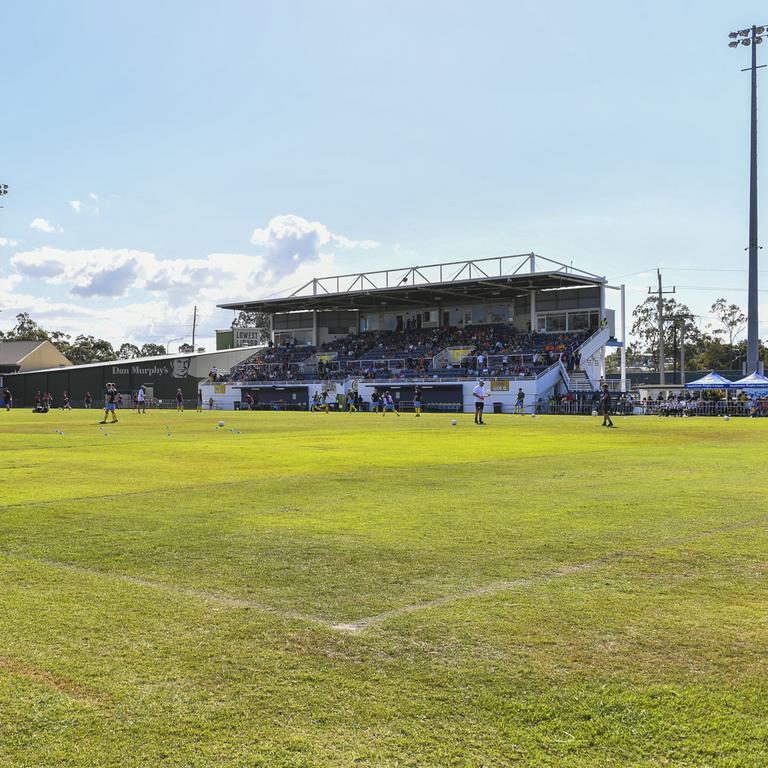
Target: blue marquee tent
753,381
711,381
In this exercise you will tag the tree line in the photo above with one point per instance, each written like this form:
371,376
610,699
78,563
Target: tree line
708,346
82,349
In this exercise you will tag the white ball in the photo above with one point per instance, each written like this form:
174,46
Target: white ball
594,413
533,415
221,423
454,422
726,417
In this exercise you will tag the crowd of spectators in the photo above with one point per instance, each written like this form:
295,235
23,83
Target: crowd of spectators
706,403
491,350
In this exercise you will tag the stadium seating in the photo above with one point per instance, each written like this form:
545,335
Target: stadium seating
490,350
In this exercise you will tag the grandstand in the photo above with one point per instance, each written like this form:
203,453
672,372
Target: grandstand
521,322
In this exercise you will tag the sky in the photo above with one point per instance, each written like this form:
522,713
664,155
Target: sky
165,155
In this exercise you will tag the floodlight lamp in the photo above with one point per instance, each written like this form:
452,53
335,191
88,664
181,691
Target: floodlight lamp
744,32
759,30
745,42
758,40
733,34
733,44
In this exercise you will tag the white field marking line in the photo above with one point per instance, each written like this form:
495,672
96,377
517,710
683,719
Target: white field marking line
540,578
219,598
361,624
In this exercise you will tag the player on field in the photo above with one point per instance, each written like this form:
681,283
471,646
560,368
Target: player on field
606,406
479,394
7,399
417,400
520,402
141,400
199,400
389,404
65,406
110,403
179,401
87,400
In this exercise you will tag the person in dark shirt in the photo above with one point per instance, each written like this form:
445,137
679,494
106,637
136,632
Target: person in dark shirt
7,399
417,400
606,406
65,406
88,399
179,400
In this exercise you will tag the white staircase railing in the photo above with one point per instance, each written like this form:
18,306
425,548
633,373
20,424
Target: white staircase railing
591,362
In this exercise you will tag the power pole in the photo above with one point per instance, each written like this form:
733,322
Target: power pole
194,327
660,311
752,37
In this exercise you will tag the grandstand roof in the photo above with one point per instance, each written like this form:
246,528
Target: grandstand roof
500,279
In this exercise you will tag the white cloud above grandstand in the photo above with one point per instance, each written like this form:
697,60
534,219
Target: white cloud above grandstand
75,205
43,225
7,241
129,294
290,240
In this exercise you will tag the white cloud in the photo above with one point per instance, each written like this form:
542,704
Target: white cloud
75,205
93,196
44,226
159,294
291,240
7,241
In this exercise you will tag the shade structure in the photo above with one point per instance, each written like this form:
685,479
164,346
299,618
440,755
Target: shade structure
753,381
711,381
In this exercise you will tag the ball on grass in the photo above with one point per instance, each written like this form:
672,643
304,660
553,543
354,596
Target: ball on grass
726,417
594,413
454,422
221,423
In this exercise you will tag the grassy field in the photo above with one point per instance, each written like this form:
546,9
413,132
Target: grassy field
339,590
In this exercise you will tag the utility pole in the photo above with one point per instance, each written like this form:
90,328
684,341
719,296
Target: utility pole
752,37
194,327
660,311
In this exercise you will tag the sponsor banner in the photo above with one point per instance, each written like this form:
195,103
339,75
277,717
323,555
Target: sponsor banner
458,354
220,389
499,385
248,337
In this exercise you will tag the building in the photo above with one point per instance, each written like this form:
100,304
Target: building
25,356
527,292
161,375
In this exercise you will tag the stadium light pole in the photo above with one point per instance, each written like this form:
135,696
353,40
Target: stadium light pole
623,350
170,341
752,37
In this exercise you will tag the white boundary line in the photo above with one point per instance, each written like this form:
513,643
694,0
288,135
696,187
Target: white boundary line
362,624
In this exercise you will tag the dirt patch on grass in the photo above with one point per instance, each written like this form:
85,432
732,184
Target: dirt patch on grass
61,684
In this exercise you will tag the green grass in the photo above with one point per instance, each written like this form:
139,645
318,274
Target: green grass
346,590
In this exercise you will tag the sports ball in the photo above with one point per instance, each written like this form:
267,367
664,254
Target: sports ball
454,422
533,415
594,413
726,417
221,423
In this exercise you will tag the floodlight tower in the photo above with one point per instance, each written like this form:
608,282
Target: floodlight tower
752,37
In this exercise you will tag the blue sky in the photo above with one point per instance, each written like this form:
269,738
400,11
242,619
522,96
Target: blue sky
165,154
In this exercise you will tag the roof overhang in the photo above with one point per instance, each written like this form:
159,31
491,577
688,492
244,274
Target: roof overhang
501,288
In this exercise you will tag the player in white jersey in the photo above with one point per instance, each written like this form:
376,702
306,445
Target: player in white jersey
479,394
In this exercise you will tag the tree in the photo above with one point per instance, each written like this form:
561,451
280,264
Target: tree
87,349
731,317
645,328
26,329
127,351
152,350
252,320
186,348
